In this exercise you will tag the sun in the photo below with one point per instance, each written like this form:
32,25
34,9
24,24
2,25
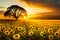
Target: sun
25,17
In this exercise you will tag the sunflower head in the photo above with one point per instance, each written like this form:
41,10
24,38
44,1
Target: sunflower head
57,34
31,26
7,33
12,31
20,28
3,27
30,33
50,37
42,33
16,36
50,31
16,28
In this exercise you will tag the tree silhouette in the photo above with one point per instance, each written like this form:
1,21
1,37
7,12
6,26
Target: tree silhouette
15,11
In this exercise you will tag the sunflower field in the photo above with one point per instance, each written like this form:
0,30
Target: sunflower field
12,30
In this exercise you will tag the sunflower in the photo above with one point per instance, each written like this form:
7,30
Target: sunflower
42,33
57,34
31,26
50,37
30,33
9,29
11,26
16,36
50,31
3,27
20,28
12,31
7,33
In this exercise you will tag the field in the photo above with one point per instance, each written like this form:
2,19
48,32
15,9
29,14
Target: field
29,29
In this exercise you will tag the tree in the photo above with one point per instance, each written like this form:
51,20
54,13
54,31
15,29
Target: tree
15,11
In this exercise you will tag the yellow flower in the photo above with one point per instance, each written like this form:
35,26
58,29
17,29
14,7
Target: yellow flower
12,26
12,31
16,28
57,34
50,31
30,33
50,37
20,28
3,27
16,36
31,26
7,33
42,33
9,29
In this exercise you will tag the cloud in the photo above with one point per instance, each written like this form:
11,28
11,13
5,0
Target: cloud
49,15
52,4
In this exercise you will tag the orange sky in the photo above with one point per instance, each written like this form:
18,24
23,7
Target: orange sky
33,8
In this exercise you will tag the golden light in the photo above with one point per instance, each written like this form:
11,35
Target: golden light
33,8
25,17
37,10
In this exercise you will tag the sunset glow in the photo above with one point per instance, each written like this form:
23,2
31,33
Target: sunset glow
33,8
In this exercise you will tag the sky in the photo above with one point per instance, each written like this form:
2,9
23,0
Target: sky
48,8
49,3
6,3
